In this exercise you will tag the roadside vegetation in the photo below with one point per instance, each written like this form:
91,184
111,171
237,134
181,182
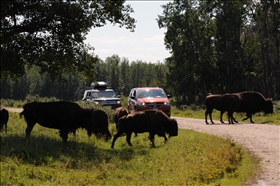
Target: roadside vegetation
195,158
191,158
187,111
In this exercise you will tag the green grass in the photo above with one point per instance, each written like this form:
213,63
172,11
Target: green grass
191,158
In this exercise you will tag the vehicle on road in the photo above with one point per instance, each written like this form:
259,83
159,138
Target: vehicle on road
148,98
102,95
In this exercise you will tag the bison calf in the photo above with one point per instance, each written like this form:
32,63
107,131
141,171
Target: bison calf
119,112
154,122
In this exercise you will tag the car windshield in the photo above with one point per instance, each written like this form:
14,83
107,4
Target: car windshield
154,93
106,94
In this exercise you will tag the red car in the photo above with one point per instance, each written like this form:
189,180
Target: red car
148,98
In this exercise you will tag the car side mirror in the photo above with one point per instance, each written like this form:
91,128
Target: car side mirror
118,96
169,96
132,97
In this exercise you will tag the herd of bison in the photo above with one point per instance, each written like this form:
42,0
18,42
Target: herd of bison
68,116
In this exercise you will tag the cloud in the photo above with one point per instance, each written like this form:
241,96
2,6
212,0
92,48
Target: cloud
156,38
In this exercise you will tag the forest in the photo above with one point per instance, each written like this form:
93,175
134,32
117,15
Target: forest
119,74
216,47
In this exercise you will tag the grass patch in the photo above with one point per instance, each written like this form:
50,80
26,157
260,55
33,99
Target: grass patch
191,158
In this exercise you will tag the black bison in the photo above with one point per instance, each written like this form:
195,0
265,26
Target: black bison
154,122
251,103
4,118
100,124
67,117
223,103
118,113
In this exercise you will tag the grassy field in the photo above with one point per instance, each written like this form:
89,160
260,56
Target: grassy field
191,158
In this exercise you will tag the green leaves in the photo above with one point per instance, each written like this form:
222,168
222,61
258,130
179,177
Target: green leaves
50,34
216,46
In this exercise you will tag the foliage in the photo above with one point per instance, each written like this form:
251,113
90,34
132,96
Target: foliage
120,75
216,47
195,159
221,46
50,34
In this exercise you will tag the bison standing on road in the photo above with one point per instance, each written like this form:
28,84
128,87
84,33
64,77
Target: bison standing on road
251,103
65,116
154,122
223,103
119,112
4,118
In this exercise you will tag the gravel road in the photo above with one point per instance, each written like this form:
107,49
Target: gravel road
261,140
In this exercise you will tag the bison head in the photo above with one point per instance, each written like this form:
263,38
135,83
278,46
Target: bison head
172,129
268,106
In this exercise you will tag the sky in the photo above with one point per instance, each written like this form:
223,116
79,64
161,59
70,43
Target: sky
146,43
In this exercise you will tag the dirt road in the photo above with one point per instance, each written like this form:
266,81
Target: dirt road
260,139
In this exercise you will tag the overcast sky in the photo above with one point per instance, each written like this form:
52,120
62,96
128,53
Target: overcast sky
146,43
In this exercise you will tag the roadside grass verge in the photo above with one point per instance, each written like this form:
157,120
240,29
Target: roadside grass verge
191,158
187,111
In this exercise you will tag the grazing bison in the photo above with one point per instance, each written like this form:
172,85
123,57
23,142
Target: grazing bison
221,102
119,112
154,122
251,103
100,124
4,118
65,116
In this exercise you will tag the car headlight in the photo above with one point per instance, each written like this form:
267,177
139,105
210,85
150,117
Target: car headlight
167,103
141,103
118,102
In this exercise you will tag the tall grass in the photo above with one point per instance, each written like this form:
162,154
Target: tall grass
191,158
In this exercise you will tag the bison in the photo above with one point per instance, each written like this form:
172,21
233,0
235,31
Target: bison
251,103
221,102
66,117
119,112
100,124
4,118
154,122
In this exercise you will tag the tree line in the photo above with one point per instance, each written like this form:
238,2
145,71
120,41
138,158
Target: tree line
215,47
222,46
120,75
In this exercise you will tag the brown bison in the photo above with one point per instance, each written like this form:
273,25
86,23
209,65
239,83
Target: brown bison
251,103
154,122
223,103
119,112
4,118
67,117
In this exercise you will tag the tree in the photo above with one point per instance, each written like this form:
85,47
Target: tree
50,33
230,17
189,38
221,46
266,23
